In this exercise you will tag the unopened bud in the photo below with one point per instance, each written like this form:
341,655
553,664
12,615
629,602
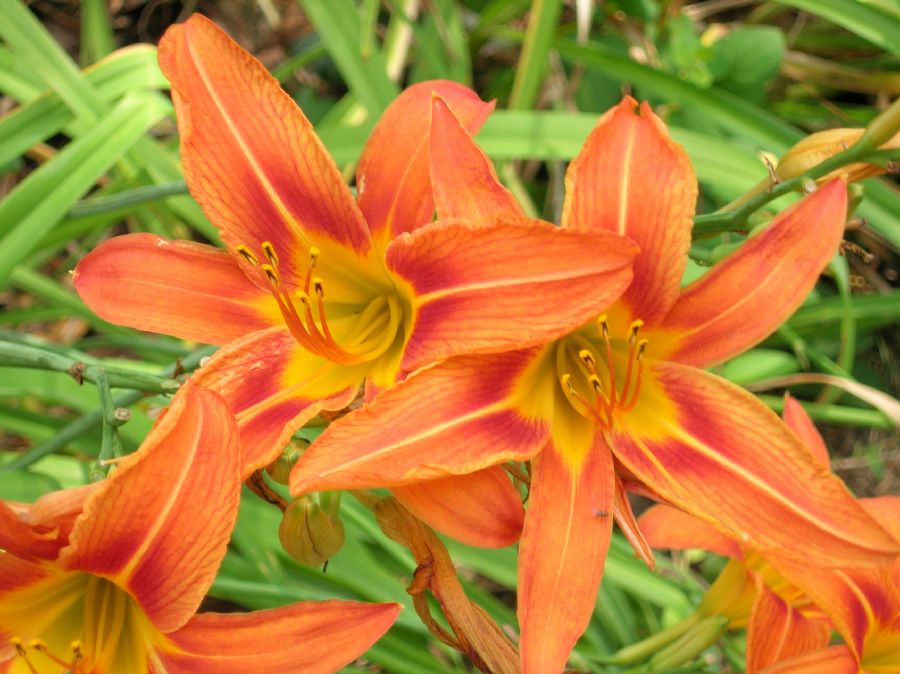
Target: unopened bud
700,637
819,146
280,469
308,533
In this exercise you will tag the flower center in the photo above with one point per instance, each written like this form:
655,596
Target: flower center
367,333
590,379
76,623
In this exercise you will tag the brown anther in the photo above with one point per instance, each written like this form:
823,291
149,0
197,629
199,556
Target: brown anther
303,298
595,383
313,256
604,326
39,645
245,253
77,651
566,380
634,329
587,358
18,645
270,273
269,251
641,347
319,287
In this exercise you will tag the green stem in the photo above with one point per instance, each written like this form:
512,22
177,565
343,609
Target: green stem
89,421
836,414
24,355
126,200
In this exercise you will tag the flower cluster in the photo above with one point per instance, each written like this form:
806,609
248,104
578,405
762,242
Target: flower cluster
478,340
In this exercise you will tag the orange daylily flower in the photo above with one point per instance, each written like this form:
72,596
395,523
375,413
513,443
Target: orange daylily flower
622,394
108,578
782,619
318,291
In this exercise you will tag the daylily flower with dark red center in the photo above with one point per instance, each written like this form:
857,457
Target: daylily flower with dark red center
107,579
626,386
319,292
782,620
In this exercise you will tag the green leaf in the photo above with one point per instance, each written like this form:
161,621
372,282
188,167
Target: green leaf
25,486
46,195
875,23
533,61
747,59
759,364
96,31
339,26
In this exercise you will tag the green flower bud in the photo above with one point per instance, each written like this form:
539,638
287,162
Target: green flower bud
309,533
280,469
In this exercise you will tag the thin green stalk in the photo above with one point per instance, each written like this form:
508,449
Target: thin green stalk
836,414
124,202
89,421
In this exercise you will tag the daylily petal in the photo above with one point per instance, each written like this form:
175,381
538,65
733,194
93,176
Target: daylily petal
17,537
309,637
834,660
668,527
274,387
510,284
160,525
746,296
627,523
567,532
454,418
711,448
16,573
886,511
798,421
178,288
778,631
631,178
464,181
250,156
392,175
482,509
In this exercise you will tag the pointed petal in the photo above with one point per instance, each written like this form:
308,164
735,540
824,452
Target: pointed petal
309,637
465,183
624,518
178,288
482,509
778,631
746,296
251,158
798,421
834,660
274,387
392,175
714,450
668,527
561,555
470,281
886,511
147,530
454,418
631,178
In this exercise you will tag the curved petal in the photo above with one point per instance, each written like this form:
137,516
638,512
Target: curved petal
309,637
834,660
714,450
778,631
19,538
746,296
668,527
274,387
507,285
886,511
465,183
392,175
567,533
16,572
251,158
147,529
454,418
632,179
179,288
482,509
798,421
627,523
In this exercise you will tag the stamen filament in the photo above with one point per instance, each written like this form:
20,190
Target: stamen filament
632,340
610,361
641,347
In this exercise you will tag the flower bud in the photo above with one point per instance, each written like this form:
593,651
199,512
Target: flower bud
700,637
280,469
819,146
308,533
